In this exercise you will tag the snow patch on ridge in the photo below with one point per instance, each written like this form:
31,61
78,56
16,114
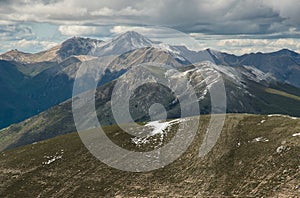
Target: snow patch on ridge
296,134
157,128
284,116
256,74
51,159
260,139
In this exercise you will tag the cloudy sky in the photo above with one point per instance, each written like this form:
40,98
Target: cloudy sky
235,26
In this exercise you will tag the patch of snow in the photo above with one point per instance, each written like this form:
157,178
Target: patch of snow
275,115
51,159
228,71
203,94
260,139
207,73
280,149
285,116
296,134
255,74
170,49
157,127
139,141
261,122
188,71
166,47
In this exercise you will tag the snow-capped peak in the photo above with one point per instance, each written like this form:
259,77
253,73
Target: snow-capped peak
123,43
136,39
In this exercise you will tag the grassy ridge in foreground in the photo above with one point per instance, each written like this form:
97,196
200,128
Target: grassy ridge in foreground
254,156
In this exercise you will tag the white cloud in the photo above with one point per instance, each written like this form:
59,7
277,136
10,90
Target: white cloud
121,29
242,42
77,30
28,45
281,43
48,44
103,12
25,43
41,11
128,11
242,46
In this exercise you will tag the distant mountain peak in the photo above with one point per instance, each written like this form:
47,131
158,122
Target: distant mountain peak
286,51
81,39
15,51
123,43
134,38
77,46
130,34
15,55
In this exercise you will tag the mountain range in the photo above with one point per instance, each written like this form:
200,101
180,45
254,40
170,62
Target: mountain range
41,84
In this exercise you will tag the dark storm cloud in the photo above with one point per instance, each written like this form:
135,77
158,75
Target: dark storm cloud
237,17
212,17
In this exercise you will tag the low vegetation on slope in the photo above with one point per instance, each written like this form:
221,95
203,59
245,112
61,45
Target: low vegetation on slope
282,93
256,155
